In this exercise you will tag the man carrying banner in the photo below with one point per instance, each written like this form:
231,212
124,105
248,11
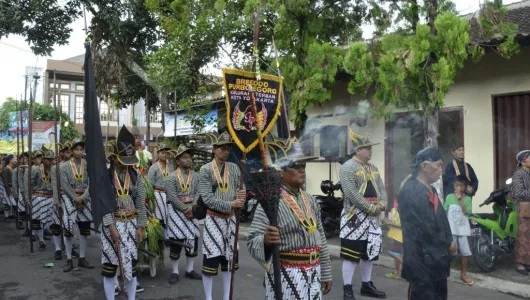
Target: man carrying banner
42,196
182,192
157,176
76,204
304,255
360,233
219,189
125,227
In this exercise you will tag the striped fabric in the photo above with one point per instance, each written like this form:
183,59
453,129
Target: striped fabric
137,193
69,184
155,177
293,235
352,177
21,183
521,185
14,183
219,232
179,226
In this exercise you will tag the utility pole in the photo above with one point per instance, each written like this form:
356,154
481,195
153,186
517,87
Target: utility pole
148,119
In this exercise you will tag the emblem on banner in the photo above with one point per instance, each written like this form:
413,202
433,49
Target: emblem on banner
242,124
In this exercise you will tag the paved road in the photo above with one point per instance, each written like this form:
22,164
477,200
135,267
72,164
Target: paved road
23,276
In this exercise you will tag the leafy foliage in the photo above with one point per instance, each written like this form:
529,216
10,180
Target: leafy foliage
41,112
414,66
310,37
44,23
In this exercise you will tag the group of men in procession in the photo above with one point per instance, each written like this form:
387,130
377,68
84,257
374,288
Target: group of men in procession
304,255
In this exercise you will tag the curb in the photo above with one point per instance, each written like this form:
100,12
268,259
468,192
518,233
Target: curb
487,282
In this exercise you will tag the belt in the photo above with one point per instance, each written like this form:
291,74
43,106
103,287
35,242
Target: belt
218,214
79,194
372,199
43,193
125,216
305,258
159,190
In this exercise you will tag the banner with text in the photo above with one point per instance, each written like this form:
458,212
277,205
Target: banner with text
239,117
43,135
8,138
185,125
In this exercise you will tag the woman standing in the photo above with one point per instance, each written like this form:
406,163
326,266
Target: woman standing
521,193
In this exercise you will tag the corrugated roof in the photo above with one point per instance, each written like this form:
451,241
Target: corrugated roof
518,13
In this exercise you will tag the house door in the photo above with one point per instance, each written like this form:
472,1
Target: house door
405,137
511,132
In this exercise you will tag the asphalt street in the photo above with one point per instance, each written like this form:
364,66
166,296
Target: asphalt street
23,276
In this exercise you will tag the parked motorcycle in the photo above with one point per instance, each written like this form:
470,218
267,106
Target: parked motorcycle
330,208
494,234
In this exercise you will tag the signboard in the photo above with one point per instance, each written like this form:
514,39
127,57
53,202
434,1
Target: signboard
8,138
43,134
239,118
184,125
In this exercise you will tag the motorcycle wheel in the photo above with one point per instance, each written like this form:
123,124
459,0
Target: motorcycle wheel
484,254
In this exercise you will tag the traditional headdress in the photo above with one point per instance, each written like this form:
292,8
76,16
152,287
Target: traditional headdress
294,155
223,139
77,142
181,150
360,141
163,147
124,148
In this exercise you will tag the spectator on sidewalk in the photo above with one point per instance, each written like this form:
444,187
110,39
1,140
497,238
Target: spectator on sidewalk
521,193
427,240
459,167
395,233
458,207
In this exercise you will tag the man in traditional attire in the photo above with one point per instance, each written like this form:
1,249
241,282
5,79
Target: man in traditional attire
427,240
65,152
304,256
42,197
76,206
157,176
10,206
360,228
521,193
182,193
459,167
219,183
18,188
125,227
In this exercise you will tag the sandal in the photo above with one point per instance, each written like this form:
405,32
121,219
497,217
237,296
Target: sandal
467,280
392,276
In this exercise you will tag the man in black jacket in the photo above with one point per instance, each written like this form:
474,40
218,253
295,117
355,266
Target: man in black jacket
427,239
457,167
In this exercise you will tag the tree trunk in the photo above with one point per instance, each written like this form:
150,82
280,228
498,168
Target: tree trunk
430,128
140,72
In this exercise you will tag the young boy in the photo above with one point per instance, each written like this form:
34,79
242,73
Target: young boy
458,207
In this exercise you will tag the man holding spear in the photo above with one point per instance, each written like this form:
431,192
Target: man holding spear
219,187
304,256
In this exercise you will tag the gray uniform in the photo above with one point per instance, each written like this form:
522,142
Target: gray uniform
179,226
72,214
219,224
298,282
157,178
129,214
42,198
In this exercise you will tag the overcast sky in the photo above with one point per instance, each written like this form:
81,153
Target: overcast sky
15,54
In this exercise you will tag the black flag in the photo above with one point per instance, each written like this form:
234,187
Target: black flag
101,191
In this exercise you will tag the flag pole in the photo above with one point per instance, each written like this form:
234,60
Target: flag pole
17,226
57,171
30,154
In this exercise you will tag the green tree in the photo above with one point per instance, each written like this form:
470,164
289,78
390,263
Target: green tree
44,23
414,66
41,112
310,36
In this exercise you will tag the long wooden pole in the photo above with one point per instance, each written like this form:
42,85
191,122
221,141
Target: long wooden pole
30,155
148,119
57,171
17,222
28,166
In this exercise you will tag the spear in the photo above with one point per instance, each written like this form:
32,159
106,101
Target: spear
18,169
57,171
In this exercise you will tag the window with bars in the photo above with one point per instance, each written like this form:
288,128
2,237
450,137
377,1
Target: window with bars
79,103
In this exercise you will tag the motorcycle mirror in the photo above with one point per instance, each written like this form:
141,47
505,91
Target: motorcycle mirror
508,181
